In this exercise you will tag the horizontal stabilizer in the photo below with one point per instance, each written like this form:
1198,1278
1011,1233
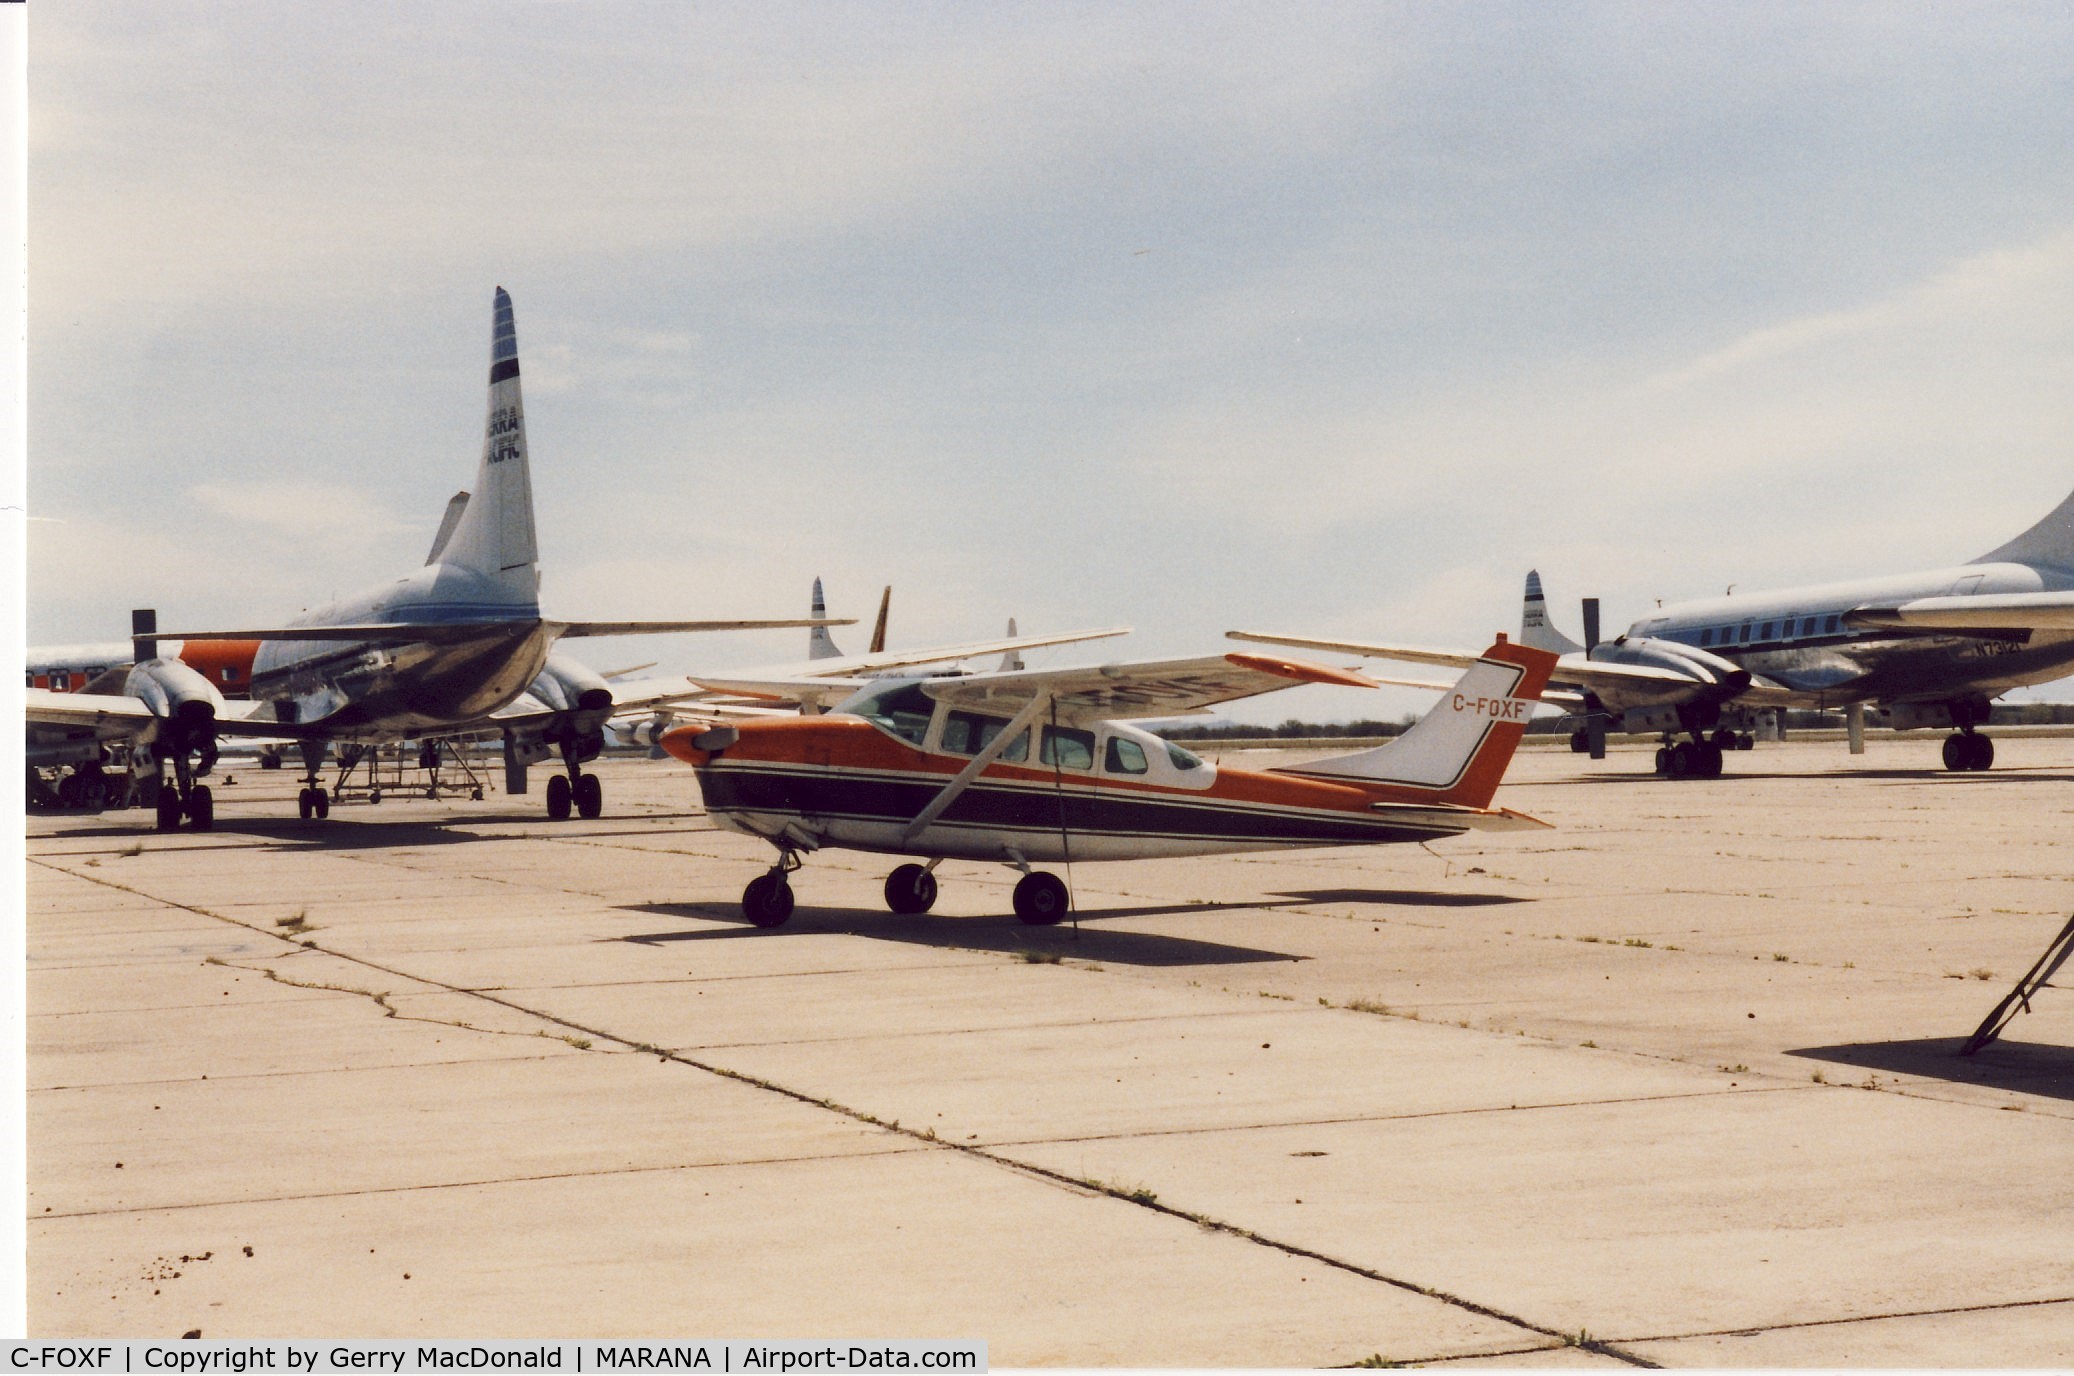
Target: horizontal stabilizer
393,633
1987,613
588,628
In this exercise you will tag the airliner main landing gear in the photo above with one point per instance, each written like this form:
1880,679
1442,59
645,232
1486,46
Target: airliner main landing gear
1968,750
313,801
576,789
1697,758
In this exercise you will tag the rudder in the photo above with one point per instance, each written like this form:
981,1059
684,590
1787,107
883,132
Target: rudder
494,536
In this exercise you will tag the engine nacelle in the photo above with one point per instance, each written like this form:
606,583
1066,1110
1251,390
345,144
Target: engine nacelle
1649,720
185,703
1694,663
566,686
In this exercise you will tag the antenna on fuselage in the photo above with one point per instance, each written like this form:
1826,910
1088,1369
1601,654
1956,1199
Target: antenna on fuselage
1595,717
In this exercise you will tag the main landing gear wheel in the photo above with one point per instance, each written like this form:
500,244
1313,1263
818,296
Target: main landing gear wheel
201,807
558,798
1968,751
1040,899
590,796
168,809
1690,760
910,889
767,901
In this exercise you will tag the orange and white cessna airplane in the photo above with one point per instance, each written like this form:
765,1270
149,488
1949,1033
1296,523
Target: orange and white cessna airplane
1029,766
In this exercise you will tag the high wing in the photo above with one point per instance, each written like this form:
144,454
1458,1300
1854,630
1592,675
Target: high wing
1107,692
572,629
1148,688
820,683
1572,671
1987,613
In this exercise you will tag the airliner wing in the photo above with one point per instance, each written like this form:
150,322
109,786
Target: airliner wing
1572,671
118,716
389,632
1988,612
1148,688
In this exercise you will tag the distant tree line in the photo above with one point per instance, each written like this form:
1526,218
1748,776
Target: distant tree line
2004,714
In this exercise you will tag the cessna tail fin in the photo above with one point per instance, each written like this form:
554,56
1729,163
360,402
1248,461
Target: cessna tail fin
820,644
1459,750
1013,660
494,535
1535,629
2050,542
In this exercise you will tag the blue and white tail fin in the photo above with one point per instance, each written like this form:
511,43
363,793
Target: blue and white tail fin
1535,629
494,535
820,644
2049,543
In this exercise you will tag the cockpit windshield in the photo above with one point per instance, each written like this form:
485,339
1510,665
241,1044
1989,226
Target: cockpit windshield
900,707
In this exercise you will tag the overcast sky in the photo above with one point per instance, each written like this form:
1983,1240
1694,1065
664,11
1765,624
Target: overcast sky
1324,319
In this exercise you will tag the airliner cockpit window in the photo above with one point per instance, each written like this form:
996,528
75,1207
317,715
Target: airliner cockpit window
902,708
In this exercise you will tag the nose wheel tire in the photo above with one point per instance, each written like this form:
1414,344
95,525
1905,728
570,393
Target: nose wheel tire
910,889
1041,899
558,798
590,796
767,901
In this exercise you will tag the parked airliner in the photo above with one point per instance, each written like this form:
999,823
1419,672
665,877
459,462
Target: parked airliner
448,648
1930,649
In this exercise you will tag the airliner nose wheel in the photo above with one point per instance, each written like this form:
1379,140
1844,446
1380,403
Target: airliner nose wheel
1694,759
201,807
910,889
313,802
767,901
1967,750
1040,899
558,798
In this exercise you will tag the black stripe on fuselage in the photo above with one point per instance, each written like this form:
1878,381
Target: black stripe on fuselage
1109,812
508,367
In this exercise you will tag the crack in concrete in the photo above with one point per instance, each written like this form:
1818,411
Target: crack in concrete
1752,1330
1138,1199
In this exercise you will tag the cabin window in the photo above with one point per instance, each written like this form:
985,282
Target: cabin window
1767,635
1707,636
1835,624
1124,757
1182,759
61,682
968,733
1067,748
1744,634
902,708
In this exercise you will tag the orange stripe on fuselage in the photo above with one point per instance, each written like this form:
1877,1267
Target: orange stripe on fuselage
835,742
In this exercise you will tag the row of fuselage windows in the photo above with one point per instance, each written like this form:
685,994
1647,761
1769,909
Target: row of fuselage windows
1765,632
906,711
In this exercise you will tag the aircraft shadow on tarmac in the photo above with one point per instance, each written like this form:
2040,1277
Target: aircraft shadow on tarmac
2024,1067
1406,898
1003,934
1880,776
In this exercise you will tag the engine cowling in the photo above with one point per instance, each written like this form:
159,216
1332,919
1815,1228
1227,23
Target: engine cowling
566,686
1699,665
186,704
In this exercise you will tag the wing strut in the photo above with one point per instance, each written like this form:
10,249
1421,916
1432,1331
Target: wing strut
963,780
